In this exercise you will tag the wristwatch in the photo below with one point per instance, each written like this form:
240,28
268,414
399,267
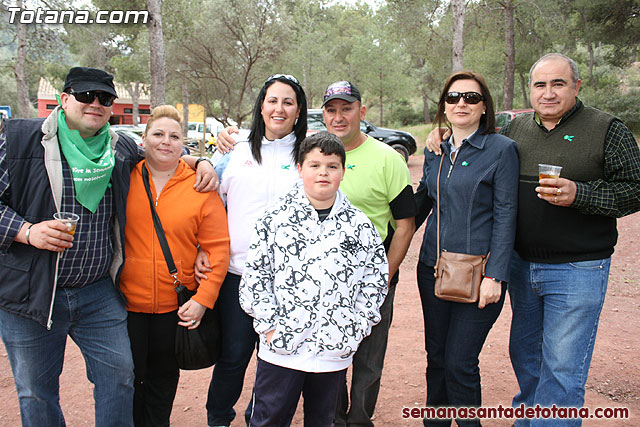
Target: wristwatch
206,159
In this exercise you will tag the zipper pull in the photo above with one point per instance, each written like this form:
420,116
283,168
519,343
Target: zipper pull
450,169
157,201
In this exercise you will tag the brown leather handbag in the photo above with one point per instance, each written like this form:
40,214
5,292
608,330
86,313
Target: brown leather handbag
458,276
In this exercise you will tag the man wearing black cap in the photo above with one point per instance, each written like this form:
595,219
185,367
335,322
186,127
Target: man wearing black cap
58,281
377,182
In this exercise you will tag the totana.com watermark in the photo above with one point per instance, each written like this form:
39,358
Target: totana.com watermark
53,16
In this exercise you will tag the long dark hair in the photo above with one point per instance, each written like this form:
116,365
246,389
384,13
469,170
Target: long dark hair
258,128
487,120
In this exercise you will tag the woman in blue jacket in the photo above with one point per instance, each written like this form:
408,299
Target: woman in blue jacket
478,201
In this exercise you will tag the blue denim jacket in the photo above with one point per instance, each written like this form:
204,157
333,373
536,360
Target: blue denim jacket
478,198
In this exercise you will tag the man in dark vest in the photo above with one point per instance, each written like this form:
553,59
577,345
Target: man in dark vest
566,234
57,281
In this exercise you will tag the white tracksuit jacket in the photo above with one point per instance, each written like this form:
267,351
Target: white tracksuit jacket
249,188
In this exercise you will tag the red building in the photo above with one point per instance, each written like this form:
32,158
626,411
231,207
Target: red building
122,107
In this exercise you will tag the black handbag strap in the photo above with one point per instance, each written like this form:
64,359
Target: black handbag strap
173,271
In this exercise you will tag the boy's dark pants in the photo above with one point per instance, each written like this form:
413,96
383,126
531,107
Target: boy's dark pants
277,391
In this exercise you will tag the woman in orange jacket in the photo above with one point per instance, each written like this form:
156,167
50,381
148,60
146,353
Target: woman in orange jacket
190,220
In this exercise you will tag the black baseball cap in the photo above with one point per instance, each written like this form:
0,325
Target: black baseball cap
83,79
342,90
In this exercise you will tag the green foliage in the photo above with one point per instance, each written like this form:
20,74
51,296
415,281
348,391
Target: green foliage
225,53
614,89
45,50
615,23
423,27
8,92
94,45
378,65
223,50
614,98
131,65
622,105
405,115
420,133
316,47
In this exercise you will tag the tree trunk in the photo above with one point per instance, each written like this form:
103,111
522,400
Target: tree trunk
24,106
156,47
510,56
305,81
380,97
136,103
592,62
589,49
185,108
134,90
523,87
425,108
457,10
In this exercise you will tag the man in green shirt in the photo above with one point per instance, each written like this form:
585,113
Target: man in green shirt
377,182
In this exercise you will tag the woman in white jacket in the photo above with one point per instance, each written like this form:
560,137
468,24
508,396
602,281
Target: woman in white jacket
260,170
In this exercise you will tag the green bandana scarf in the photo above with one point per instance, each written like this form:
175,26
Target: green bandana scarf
91,161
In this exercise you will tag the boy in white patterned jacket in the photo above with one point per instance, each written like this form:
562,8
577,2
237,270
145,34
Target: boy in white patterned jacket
315,278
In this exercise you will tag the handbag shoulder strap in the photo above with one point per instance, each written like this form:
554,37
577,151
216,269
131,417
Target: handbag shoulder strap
485,258
159,230
438,208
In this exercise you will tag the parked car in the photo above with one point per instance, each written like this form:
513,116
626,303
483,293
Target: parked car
195,129
5,112
315,122
403,142
132,131
504,117
209,145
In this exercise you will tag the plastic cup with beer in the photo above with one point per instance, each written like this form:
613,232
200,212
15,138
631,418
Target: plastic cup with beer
70,219
548,171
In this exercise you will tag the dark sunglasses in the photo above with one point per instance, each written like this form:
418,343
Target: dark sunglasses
283,76
469,97
87,97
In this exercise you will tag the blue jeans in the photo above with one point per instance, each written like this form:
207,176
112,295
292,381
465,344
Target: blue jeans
556,308
454,335
96,320
238,342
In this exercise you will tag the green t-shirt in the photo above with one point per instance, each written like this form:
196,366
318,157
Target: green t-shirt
375,174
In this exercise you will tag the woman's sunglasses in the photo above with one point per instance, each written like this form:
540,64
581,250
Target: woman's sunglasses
87,97
469,97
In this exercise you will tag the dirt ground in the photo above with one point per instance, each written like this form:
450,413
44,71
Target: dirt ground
614,379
